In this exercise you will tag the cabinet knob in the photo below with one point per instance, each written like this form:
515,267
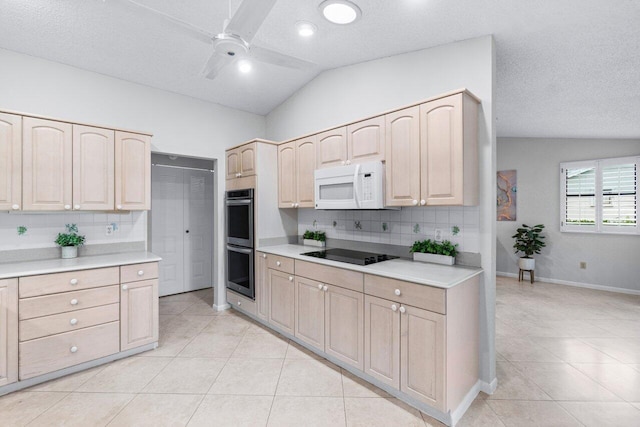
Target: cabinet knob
73,282
402,309
76,207
239,174
140,272
73,322
278,263
264,255
414,203
125,287
397,292
74,302
291,278
239,302
325,288
119,207
343,163
67,207
73,349
423,202
320,286
348,162
15,207
394,307
293,205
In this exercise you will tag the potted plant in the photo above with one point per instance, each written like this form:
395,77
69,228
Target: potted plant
437,252
314,238
529,241
70,241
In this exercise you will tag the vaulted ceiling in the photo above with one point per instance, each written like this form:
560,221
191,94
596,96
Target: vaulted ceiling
565,68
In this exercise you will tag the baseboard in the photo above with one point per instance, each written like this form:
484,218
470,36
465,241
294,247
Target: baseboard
457,414
221,307
489,388
575,284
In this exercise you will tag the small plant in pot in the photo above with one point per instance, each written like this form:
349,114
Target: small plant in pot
314,238
70,241
529,241
437,252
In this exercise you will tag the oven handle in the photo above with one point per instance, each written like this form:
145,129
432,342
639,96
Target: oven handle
241,250
239,202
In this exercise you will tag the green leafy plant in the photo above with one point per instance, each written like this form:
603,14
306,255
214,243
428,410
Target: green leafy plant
455,230
529,240
432,247
22,230
71,237
320,236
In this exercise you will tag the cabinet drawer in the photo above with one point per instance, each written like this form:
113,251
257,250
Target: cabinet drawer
135,272
68,301
33,286
331,275
421,296
241,302
40,356
65,322
280,263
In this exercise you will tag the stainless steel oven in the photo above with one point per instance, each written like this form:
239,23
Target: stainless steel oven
240,218
240,275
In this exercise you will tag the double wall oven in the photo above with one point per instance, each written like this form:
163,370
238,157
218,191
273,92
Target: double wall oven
240,242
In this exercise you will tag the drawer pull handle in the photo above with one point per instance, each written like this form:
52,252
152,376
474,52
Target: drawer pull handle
278,263
394,307
125,287
402,309
291,278
74,302
73,349
320,287
325,288
140,272
73,322
397,292
73,281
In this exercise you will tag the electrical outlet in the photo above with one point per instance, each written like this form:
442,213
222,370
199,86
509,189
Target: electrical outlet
109,230
438,235
583,265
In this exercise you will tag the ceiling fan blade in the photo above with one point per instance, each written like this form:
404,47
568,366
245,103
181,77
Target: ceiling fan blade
178,24
215,64
276,58
249,17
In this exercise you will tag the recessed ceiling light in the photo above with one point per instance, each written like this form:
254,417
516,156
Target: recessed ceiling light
244,66
340,11
306,29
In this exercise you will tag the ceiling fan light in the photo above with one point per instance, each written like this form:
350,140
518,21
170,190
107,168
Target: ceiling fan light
306,29
340,11
244,66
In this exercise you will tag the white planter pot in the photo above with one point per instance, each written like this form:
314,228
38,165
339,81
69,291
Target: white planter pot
433,258
527,263
69,252
317,243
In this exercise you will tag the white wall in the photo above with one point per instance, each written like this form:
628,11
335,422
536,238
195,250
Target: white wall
180,124
612,260
350,93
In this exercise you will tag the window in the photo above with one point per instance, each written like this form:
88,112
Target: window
600,196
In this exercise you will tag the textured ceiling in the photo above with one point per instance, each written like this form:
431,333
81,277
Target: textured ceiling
565,68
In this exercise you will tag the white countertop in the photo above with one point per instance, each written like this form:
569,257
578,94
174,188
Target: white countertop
32,268
440,276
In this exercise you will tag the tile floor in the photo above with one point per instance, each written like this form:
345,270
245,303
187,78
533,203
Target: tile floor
566,357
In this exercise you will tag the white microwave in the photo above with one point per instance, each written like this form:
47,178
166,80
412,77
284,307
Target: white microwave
357,186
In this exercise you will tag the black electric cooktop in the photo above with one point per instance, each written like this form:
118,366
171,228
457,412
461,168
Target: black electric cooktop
352,257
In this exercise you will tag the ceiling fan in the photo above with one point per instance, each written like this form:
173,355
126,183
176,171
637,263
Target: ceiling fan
234,42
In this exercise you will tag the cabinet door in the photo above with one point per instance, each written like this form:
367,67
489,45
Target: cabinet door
403,157
365,140
247,156
441,140
133,171
305,165
332,148
344,325
382,340
287,175
138,314
10,162
233,163
422,351
93,168
281,300
310,312
47,153
262,286
8,331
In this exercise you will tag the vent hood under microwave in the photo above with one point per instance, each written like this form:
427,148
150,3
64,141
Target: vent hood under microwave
356,186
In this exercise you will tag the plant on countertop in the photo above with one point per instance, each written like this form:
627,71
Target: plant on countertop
71,237
319,236
429,246
529,240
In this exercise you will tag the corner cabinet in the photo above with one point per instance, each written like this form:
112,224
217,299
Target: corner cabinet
10,162
8,331
132,171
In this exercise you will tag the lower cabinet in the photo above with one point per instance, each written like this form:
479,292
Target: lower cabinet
138,314
262,286
282,300
344,325
310,310
8,331
382,340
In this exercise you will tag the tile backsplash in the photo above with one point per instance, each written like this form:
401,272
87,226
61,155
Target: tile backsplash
42,228
397,227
